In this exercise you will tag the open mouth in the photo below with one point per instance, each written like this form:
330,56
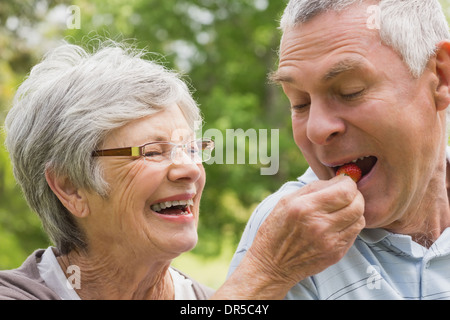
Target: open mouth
366,164
177,207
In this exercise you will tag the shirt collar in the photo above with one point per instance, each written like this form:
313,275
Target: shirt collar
372,236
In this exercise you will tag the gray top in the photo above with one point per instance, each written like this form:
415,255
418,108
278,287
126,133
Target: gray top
26,283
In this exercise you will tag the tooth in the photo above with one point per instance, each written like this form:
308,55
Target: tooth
190,202
156,207
162,205
175,203
182,202
354,161
168,204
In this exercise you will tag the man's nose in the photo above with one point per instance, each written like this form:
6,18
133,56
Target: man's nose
324,123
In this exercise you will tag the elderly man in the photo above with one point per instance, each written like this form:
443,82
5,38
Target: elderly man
368,84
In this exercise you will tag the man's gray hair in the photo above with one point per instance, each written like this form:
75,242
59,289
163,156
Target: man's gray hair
412,28
65,109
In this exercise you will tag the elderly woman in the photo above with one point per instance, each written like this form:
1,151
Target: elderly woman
103,147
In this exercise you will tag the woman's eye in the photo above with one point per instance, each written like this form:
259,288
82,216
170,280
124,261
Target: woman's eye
155,152
152,154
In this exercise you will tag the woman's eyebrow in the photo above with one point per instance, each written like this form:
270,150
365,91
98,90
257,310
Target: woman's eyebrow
150,138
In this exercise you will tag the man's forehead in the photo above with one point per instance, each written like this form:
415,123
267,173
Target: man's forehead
327,35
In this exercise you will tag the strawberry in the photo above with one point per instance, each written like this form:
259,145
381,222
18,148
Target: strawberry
351,170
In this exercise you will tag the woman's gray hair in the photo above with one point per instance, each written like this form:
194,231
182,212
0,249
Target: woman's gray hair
65,109
412,28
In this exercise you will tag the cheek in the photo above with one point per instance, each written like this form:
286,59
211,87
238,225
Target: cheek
307,148
199,186
200,183
133,185
299,131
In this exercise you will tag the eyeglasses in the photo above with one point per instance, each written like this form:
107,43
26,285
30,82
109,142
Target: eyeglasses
198,151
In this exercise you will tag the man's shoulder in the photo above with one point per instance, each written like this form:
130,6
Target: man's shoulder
263,210
267,205
25,283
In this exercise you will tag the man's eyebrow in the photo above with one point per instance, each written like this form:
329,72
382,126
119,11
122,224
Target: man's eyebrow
342,66
278,77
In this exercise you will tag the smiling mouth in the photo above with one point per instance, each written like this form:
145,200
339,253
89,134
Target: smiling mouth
177,207
366,164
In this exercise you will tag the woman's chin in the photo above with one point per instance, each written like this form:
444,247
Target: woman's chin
184,243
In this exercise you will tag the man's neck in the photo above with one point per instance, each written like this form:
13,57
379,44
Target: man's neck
427,221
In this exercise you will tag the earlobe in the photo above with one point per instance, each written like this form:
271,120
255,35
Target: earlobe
442,94
72,198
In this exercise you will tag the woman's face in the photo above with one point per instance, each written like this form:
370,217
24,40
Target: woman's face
125,219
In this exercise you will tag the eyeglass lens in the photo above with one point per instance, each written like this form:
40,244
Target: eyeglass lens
197,151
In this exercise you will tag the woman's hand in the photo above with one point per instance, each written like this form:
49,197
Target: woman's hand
308,231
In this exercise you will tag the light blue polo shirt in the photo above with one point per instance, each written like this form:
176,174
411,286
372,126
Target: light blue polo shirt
380,265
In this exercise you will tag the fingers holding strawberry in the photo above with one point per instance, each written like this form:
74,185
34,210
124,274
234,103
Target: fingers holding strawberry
310,229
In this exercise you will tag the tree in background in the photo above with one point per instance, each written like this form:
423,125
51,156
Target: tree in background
25,31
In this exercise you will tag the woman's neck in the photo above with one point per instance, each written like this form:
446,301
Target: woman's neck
106,278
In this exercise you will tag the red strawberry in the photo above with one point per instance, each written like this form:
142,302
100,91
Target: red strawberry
351,170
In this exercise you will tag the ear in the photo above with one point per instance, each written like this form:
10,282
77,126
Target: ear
72,198
442,94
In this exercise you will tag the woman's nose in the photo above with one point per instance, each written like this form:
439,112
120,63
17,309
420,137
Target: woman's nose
184,166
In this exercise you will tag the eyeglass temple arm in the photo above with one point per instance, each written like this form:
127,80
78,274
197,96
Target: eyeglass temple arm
132,151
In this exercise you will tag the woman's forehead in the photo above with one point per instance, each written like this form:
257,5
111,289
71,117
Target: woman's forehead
168,124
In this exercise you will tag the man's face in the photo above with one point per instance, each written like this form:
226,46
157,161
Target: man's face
353,98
